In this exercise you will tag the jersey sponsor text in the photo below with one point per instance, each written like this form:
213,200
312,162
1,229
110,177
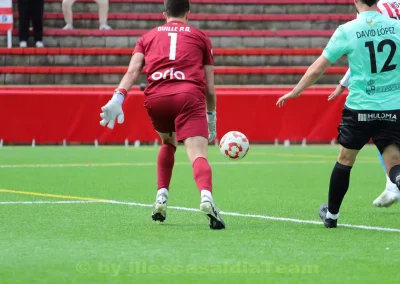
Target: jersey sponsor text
168,74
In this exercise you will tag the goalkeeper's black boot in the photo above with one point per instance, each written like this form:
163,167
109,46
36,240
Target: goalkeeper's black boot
328,223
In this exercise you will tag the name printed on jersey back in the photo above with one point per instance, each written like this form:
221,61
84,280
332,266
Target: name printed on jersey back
173,29
376,32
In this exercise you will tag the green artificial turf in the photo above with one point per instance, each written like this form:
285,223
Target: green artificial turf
97,242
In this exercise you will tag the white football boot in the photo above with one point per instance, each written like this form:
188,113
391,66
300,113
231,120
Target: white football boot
208,207
160,206
389,196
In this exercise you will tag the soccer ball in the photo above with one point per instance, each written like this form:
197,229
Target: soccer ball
234,145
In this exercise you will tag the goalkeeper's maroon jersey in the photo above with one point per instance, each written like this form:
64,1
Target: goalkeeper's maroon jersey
175,55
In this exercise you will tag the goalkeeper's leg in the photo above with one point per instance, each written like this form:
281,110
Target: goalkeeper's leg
165,165
197,152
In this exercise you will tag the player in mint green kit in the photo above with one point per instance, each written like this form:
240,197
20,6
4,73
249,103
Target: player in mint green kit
372,109
391,194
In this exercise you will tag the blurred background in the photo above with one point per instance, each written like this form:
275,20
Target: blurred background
68,56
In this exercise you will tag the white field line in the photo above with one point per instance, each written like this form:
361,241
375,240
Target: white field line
256,216
83,165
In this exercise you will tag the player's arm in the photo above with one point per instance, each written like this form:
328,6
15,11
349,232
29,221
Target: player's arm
113,109
345,80
314,72
211,97
210,88
335,49
211,100
134,70
344,83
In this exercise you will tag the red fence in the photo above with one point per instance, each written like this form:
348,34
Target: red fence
50,115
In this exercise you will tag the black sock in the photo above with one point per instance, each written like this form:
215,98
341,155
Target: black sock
338,187
394,175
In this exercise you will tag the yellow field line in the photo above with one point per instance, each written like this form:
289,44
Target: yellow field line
53,195
145,149
78,164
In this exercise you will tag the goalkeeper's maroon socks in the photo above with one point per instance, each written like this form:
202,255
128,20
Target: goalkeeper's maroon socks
202,174
165,165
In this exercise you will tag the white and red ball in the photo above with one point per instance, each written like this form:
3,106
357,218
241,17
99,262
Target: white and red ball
234,145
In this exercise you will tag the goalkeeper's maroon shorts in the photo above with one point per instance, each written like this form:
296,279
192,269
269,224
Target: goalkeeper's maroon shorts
182,113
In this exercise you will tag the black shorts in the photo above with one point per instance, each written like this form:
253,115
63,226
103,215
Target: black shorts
359,126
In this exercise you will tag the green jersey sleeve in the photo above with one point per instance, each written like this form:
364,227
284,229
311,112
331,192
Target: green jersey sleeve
337,46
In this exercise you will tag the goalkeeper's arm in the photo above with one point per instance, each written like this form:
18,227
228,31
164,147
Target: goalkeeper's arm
134,70
211,99
210,88
113,109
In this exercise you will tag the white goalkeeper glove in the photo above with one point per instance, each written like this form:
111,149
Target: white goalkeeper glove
113,110
212,125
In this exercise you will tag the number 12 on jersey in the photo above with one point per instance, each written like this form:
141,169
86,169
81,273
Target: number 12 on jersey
372,54
172,46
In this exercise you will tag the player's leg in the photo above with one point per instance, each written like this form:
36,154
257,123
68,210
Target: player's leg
338,186
352,138
162,113
103,14
387,140
67,11
391,156
165,165
191,127
24,21
197,148
166,159
37,22
391,194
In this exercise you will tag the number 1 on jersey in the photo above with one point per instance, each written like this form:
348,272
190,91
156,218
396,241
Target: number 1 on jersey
172,46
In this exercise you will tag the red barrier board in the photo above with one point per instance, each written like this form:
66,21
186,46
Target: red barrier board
50,117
